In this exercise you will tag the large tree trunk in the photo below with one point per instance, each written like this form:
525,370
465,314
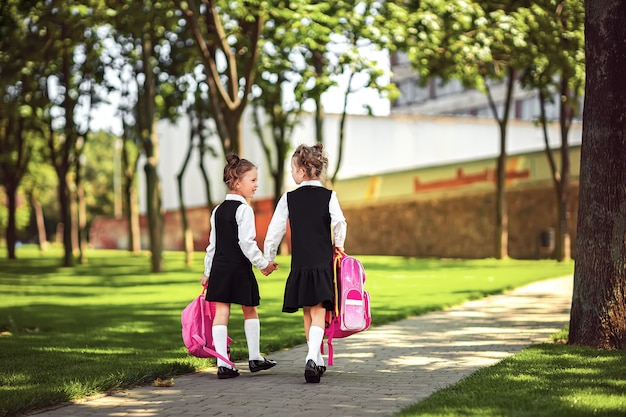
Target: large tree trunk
150,140
153,198
13,173
598,315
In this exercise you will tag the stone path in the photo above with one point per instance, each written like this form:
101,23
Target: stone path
377,372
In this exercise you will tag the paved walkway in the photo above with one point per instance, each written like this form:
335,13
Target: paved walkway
377,372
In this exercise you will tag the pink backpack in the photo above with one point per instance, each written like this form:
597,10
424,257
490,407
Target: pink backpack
197,321
352,303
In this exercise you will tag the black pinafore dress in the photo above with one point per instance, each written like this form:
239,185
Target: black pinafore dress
231,279
310,280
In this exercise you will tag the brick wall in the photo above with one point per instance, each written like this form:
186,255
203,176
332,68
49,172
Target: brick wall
111,233
460,226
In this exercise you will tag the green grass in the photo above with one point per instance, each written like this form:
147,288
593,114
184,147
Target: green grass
545,380
72,332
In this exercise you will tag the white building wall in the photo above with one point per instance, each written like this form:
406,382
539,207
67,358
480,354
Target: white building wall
372,145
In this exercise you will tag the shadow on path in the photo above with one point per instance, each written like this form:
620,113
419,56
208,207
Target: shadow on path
377,372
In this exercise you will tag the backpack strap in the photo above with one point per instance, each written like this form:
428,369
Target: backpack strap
330,316
213,352
202,341
337,257
329,342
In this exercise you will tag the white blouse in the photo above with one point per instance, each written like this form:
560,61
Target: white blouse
246,233
278,224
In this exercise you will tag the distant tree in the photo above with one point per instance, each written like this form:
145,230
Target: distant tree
151,54
227,35
20,107
481,44
556,42
301,60
283,83
39,186
128,148
72,69
598,315
197,112
362,25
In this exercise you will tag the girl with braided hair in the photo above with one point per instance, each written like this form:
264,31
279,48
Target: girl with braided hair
317,224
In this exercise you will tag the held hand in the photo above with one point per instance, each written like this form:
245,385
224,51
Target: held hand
271,267
204,280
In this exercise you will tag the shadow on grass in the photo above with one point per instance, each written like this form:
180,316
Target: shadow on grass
545,380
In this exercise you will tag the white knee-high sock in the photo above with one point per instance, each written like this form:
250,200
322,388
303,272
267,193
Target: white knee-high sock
252,328
316,334
320,358
220,335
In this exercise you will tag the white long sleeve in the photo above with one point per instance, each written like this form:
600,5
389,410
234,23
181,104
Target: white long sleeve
337,221
247,236
277,228
210,249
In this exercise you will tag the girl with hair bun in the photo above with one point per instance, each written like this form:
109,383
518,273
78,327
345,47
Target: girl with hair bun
228,263
317,224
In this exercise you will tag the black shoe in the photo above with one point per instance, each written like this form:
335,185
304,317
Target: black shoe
261,365
224,372
322,370
311,372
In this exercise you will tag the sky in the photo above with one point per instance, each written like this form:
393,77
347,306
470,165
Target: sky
106,119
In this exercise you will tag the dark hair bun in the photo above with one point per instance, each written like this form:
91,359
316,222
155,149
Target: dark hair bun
232,159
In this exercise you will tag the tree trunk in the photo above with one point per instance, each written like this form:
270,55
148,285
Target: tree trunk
502,218
130,200
63,164
598,314
81,212
10,233
318,63
342,129
74,214
132,210
556,176
205,175
39,220
13,173
234,131
565,120
155,223
155,216
151,150
187,232
66,219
